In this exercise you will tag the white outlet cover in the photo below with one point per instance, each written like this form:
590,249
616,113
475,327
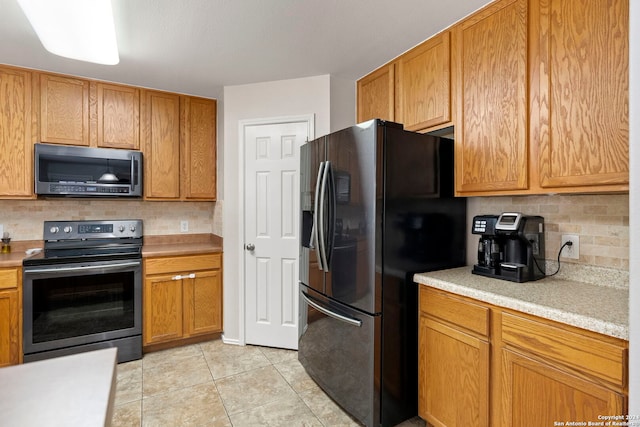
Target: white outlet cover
573,251
1,230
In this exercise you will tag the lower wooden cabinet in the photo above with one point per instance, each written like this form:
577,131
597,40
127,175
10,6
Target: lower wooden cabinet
453,361
485,365
10,316
182,297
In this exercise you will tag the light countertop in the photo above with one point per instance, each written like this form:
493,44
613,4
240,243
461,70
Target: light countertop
593,307
77,390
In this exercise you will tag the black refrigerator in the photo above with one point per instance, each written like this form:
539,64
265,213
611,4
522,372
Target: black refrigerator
377,206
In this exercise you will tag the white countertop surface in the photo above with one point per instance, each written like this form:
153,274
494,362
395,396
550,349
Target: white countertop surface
596,308
69,391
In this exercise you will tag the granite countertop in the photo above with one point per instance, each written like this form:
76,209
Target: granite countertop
77,390
165,245
603,309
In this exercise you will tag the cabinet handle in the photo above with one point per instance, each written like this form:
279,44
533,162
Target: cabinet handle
186,276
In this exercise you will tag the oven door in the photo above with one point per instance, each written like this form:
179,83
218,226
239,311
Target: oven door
76,304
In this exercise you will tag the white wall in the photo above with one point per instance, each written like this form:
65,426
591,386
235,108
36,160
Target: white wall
634,210
303,96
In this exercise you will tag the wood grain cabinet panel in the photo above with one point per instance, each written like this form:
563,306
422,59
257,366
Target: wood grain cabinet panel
162,296
199,148
118,116
453,371
161,138
64,110
424,84
582,92
376,95
16,139
182,298
490,54
10,316
535,393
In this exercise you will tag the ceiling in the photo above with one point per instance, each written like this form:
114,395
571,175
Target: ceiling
199,46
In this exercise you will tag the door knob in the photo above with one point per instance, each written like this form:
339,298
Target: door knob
250,247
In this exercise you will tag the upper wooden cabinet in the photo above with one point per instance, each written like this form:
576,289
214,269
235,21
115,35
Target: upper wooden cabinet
179,140
118,116
580,89
376,95
16,139
491,127
161,144
423,92
199,148
64,110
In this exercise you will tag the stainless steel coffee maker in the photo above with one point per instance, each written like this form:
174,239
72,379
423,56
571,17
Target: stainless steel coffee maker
510,247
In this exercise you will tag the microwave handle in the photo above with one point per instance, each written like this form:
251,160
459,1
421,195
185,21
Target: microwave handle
133,181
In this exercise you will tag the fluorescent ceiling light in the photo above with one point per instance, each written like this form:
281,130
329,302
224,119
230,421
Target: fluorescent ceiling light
76,29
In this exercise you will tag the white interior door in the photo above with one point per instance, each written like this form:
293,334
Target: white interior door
271,229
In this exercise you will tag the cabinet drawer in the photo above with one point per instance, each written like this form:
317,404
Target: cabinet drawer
9,278
463,313
182,263
576,350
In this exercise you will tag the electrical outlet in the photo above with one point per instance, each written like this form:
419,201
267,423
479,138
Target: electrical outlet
184,226
1,230
573,251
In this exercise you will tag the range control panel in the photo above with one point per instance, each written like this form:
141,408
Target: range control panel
99,229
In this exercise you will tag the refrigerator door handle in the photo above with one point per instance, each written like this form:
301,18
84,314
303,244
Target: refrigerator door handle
315,240
322,234
321,309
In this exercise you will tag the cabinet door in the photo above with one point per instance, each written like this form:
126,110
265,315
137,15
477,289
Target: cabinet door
10,348
16,142
199,148
453,376
118,116
424,84
490,54
582,92
537,394
64,110
376,95
161,136
162,299
203,303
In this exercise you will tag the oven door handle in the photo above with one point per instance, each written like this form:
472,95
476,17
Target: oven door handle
82,268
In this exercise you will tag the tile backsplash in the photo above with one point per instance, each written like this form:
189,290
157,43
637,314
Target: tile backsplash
601,222
23,219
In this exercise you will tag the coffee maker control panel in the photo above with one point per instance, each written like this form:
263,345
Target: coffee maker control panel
484,224
509,221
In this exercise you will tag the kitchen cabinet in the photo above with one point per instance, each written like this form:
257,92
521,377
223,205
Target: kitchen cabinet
117,116
376,95
182,298
551,372
453,361
580,94
16,138
199,148
489,51
10,316
179,139
423,89
64,110
521,369
160,134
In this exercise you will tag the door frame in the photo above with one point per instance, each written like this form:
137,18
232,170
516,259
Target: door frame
309,119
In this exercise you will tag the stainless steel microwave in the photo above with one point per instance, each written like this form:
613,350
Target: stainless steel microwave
62,170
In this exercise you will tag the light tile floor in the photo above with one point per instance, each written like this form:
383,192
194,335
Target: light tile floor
216,384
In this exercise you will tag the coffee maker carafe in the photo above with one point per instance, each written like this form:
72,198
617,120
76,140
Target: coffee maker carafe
511,246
